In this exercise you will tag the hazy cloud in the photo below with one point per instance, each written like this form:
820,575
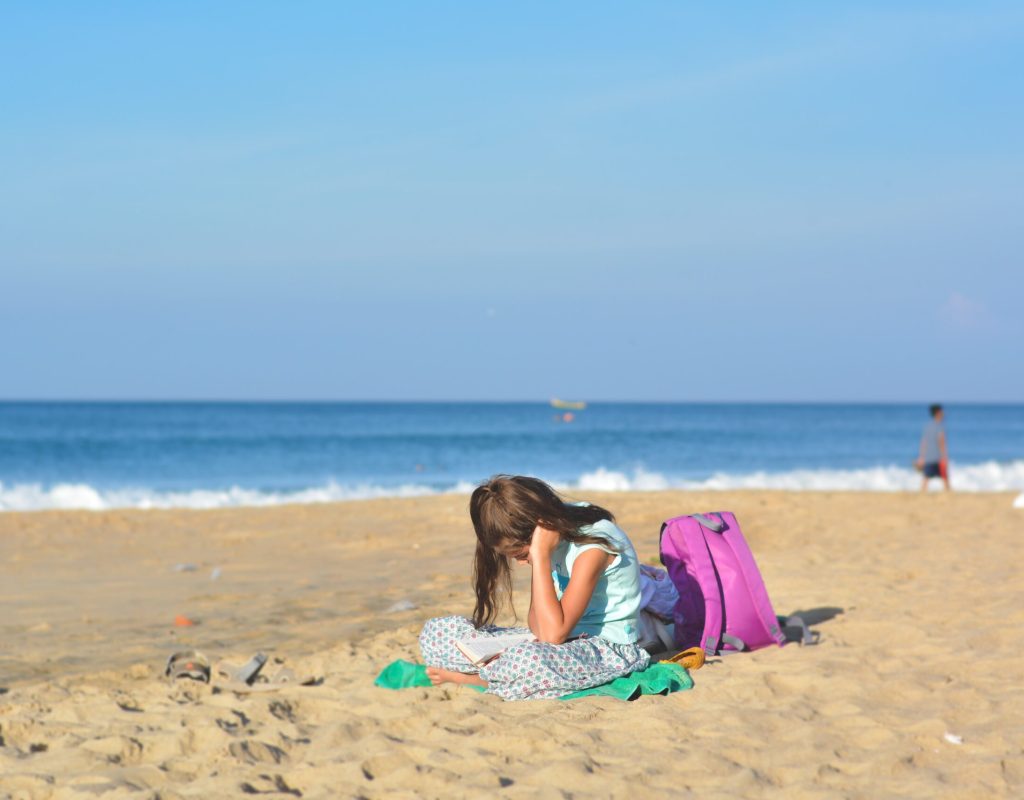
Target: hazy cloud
963,313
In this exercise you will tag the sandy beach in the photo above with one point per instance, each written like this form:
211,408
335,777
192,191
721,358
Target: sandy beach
917,689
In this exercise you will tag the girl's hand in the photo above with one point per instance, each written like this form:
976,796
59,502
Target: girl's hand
543,542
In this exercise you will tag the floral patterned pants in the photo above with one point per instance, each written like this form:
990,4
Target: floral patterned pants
531,670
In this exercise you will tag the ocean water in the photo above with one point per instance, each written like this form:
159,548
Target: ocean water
204,455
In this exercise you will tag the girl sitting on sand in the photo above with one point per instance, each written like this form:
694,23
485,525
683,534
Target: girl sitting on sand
584,596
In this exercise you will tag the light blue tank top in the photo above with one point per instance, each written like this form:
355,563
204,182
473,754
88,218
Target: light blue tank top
613,612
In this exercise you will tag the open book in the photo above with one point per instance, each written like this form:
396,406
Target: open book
486,648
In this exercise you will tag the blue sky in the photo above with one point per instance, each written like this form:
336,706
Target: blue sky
786,201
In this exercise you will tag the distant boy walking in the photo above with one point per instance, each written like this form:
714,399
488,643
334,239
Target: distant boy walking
933,460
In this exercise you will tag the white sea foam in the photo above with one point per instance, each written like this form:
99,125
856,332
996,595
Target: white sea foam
989,476
986,477
603,480
32,497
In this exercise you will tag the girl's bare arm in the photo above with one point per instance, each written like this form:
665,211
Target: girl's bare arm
552,620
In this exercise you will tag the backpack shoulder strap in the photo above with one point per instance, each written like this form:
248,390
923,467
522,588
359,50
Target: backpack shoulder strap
707,576
751,576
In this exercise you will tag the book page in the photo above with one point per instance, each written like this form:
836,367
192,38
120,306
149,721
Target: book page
480,651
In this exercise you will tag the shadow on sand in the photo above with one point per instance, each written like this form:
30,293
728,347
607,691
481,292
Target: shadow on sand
811,617
794,634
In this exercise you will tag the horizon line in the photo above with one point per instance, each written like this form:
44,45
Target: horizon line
478,401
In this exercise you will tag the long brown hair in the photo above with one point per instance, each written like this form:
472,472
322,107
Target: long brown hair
505,510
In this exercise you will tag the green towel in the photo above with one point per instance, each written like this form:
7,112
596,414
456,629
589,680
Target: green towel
406,675
403,675
662,678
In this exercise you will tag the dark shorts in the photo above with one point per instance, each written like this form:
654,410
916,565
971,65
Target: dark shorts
934,469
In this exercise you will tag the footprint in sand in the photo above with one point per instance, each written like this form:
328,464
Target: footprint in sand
236,725
120,750
283,710
253,752
127,702
269,784
382,765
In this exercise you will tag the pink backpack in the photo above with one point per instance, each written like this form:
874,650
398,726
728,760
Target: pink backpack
723,606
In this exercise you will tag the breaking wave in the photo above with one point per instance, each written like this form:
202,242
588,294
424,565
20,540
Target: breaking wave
34,497
989,476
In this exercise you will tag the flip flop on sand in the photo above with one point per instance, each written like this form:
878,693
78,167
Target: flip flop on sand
691,658
247,678
247,672
188,664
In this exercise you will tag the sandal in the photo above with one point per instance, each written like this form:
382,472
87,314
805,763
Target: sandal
247,679
188,664
691,658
